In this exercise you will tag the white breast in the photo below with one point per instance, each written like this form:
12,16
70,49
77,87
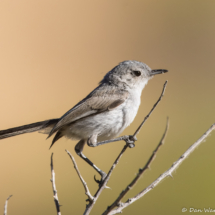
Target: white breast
130,108
107,124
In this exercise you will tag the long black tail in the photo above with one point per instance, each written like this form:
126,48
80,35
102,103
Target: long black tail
37,126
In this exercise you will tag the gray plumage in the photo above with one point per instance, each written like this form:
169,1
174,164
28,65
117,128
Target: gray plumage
27,128
120,86
101,115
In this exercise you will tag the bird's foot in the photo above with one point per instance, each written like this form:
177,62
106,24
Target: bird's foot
103,176
130,140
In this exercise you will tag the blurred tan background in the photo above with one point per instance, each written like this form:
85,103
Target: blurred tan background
53,53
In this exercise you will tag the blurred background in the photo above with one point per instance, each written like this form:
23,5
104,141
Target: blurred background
53,53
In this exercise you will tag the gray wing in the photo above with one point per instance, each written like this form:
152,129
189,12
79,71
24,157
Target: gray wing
103,98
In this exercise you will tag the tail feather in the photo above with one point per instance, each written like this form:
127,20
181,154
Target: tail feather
37,126
57,137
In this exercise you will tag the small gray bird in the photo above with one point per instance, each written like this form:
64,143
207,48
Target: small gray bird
103,114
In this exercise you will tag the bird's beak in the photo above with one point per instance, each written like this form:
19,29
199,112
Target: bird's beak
157,71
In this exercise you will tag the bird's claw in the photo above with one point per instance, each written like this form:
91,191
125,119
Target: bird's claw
103,176
96,180
130,140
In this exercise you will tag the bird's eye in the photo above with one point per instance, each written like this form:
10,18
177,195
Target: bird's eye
137,73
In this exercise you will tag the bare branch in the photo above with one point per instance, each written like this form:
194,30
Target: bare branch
5,205
104,183
140,173
87,192
165,174
57,204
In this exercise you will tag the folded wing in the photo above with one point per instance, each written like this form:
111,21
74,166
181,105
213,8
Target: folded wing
103,98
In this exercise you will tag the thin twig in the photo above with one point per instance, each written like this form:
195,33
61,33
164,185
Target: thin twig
5,205
139,174
128,142
138,130
87,192
57,204
165,174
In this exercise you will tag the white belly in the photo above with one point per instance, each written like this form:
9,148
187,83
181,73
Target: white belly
107,124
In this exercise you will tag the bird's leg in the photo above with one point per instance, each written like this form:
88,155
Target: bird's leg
78,149
130,140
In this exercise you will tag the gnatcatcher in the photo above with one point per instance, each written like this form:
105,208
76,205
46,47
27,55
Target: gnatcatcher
103,114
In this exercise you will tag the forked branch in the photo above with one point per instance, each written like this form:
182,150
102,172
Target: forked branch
164,175
87,192
116,203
